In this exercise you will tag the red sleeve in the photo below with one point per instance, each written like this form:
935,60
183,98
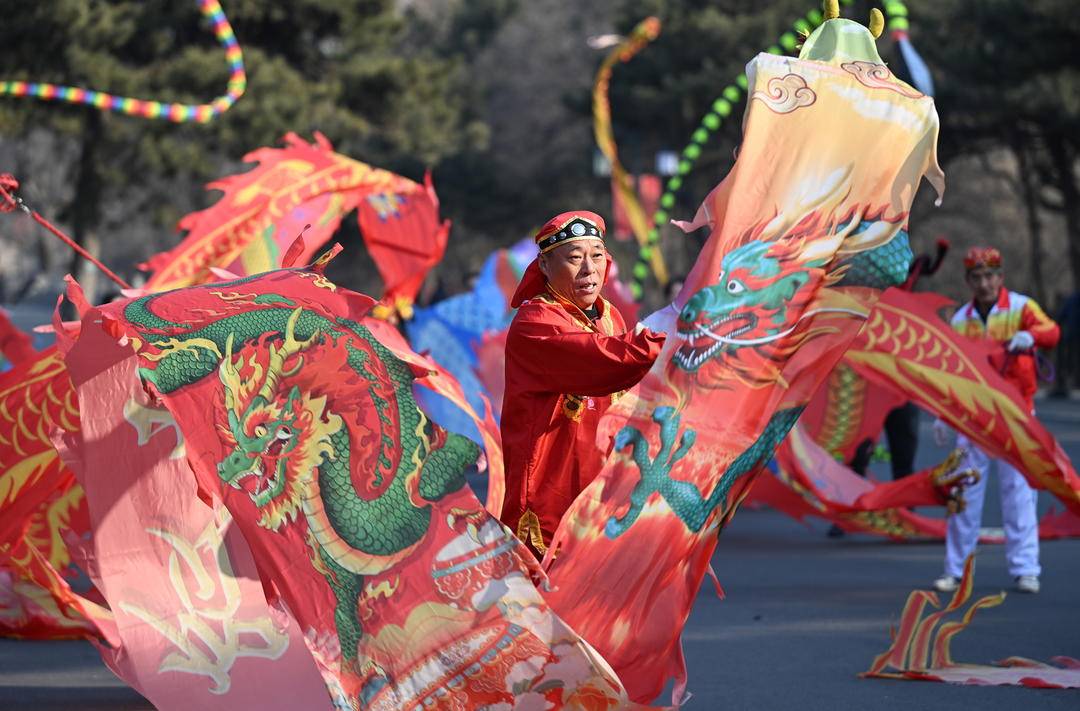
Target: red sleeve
552,360
1035,321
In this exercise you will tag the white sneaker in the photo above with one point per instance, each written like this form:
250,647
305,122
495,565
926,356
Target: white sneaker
1028,584
947,584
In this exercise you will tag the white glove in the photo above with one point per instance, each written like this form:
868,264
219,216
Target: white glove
1022,341
942,432
660,322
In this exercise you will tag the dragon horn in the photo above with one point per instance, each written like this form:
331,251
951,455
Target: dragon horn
278,355
877,22
229,377
832,9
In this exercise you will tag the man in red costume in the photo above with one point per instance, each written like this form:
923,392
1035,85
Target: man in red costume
568,357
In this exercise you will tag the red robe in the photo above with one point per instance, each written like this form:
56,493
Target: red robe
563,371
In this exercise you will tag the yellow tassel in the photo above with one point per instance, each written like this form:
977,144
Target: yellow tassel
832,9
382,312
877,22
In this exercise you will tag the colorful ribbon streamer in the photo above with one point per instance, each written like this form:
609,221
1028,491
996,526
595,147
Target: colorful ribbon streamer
721,109
645,32
178,113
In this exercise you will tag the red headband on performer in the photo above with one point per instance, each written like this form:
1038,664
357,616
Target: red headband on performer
982,257
569,227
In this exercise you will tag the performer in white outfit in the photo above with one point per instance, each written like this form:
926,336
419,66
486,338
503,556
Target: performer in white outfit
1017,324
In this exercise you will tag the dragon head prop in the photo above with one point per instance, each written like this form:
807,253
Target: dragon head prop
745,325
839,40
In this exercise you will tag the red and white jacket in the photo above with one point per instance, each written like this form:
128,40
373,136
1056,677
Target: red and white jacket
1012,313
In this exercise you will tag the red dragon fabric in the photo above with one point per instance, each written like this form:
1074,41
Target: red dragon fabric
302,422
39,499
907,347
189,625
807,229
306,188
806,481
921,646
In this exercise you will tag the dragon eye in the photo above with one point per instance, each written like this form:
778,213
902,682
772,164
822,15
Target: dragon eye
260,431
735,287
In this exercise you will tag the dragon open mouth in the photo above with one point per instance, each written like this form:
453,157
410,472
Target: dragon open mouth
703,341
257,483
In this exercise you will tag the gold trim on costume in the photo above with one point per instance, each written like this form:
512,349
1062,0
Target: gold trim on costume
528,531
573,406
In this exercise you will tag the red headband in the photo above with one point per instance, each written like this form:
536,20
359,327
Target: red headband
982,257
568,227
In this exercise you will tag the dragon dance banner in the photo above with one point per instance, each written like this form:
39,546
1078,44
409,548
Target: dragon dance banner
906,346
190,623
306,188
830,490
354,505
807,229
846,411
39,499
921,645
249,230
807,481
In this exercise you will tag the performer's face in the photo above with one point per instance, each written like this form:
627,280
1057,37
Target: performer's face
985,284
576,270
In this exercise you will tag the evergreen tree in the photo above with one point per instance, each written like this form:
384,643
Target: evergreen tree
337,66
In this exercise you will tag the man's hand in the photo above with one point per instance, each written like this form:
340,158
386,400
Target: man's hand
1022,341
942,432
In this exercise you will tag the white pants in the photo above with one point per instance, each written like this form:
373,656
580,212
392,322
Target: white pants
1018,513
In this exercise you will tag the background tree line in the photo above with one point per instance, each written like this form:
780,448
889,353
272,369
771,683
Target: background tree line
494,95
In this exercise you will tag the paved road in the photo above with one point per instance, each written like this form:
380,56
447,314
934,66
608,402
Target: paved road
804,615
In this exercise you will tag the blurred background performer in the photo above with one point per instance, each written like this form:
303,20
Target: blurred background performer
568,357
1018,325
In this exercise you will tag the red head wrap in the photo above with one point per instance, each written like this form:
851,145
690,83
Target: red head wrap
569,227
982,257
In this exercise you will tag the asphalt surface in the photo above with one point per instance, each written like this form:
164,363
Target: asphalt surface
804,614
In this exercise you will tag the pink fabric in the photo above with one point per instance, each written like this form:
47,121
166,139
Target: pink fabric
194,627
